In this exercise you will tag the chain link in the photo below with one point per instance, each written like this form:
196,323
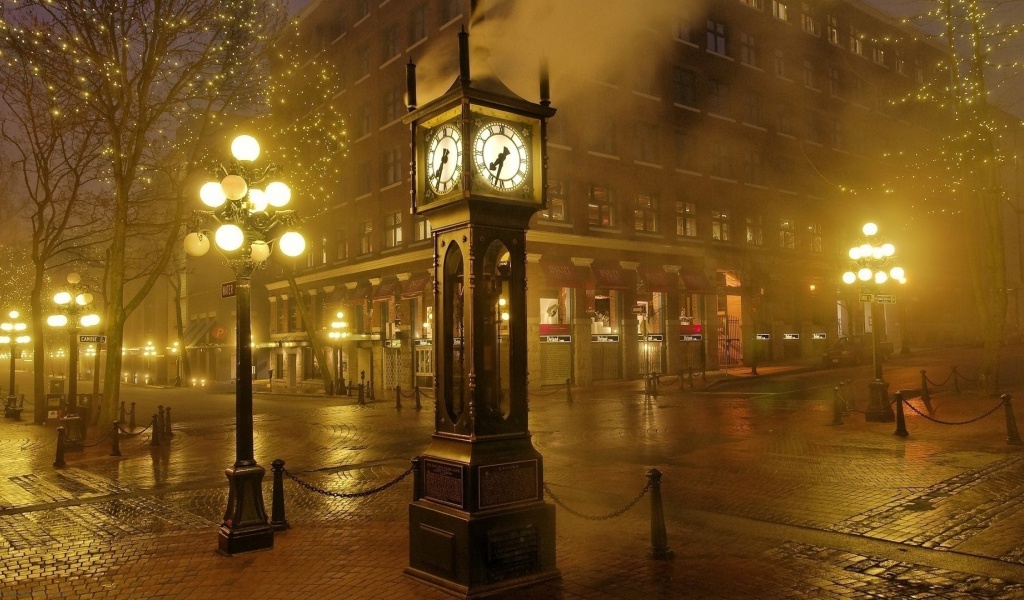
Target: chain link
611,515
944,382
404,395
549,392
97,442
969,421
429,394
130,434
673,382
319,490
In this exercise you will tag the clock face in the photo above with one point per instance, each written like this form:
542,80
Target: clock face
444,159
501,156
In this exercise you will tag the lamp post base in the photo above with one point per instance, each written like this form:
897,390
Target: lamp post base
879,410
245,527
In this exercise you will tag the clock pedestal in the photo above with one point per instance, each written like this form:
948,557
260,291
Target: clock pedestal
478,523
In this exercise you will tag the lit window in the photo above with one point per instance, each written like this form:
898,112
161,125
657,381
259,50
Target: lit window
780,10
645,213
366,237
393,230
755,230
719,226
558,201
686,219
787,234
601,207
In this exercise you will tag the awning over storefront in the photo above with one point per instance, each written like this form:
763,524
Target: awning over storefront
695,281
416,285
387,290
659,281
561,274
196,330
338,294
612,279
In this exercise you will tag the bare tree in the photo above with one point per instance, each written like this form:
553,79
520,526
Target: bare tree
153,79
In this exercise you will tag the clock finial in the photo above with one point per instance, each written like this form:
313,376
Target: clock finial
464,56
545,83
410,86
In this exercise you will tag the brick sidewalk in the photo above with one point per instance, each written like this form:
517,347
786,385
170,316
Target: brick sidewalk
764,498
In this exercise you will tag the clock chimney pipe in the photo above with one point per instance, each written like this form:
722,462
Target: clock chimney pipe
545,83
410,86
464,56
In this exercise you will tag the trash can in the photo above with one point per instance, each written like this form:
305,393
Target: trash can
56,386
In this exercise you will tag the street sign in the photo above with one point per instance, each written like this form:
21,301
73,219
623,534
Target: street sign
867,297
92,339
817,336
227,289
639,310
885,299
763,336
691,337
791,336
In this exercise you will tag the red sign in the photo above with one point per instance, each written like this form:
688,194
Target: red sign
691,329
555,329
218,332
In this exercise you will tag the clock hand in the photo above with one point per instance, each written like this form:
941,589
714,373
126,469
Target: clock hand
499,162
444,160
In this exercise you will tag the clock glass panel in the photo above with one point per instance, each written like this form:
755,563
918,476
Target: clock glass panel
444,159
501,156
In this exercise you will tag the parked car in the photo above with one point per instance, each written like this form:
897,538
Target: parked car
854,350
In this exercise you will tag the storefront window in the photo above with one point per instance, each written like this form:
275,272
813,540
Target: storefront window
605,317
554,314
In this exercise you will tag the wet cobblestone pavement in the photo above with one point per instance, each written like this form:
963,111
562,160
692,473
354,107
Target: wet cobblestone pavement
764,497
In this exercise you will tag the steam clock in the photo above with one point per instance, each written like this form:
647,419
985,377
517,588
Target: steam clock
478,521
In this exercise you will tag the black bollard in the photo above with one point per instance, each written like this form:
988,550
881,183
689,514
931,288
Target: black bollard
120,413
925,394
345,386
568,391
277,519
131,418
418,405
659,538
398,397
154,439
837,407
160,420
956,382
362,399
167,423
901,422
1012,437
115,440
59,461
417,479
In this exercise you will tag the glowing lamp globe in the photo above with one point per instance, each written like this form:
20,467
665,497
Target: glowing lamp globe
245,147
877,253
56,320
888,249
849,277
20,327
257,200
881,277
234,186
14,314
74,278
62,298
229,237
259,252
855,253
83,299
864,274
197,244
897,273
292,243
23,339
870,229
212,194
5,339
278,194
89,320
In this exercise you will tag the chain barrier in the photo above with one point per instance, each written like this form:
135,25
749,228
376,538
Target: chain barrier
941,422
661,379
611,515
405,395
23,401
968,379
99,441
944,382
428,394
850,407
323,492
130,434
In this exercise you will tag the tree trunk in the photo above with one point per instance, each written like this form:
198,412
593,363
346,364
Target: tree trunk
310,326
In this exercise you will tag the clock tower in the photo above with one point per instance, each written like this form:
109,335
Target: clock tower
478,522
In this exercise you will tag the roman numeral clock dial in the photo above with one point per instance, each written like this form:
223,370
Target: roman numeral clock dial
501,156
444,159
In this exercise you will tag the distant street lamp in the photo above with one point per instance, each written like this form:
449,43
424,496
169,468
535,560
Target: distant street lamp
247,225
176,351
872,267
338,333
13,334
148,352
73,313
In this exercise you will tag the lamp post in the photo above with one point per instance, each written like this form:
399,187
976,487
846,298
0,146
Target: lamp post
13,334
73,314
176,351
872,267
247,224
338,333
149,352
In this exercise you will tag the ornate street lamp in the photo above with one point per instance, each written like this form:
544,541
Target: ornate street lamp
338,333
13,334
73,313
175,350
248,223
872,267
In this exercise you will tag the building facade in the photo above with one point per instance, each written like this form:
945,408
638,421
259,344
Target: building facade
699,209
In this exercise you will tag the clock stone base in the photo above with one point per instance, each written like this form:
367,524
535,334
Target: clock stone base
476,555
